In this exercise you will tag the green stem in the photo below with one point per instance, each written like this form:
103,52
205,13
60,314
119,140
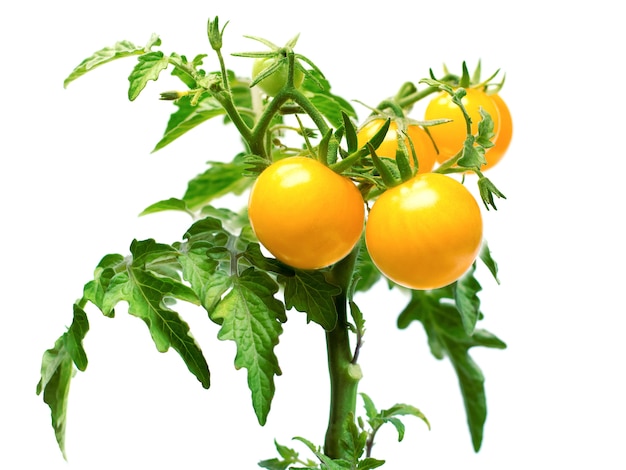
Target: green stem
344,375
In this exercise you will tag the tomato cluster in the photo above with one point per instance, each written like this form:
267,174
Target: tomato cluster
423,233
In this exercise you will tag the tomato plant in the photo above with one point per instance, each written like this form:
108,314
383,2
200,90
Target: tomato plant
424,233
305,214
450,136
416,140
306,206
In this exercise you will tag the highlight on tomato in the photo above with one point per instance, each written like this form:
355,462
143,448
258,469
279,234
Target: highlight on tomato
305,214
424,233
450,136
423,145
273,83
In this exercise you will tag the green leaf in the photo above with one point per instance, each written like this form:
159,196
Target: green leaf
218,180
148,281
74,338
182,67
466,291
485,256
57,370
369,463
331,106
188,116
104,290
352,441
249,314
288,457
370,409
148,67
309,292
171,204
447,336
485,130
119,50
473,156
56,374
402,409
366,273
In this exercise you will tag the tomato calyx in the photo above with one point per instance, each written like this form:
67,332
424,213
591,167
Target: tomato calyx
279,68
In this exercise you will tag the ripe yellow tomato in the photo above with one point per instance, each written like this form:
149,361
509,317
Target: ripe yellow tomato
450,136
424,148
424,233
305,214
501,144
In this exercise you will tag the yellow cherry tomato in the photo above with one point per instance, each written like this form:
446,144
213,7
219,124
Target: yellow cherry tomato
424,233
501,144
424,148
450,136
305,214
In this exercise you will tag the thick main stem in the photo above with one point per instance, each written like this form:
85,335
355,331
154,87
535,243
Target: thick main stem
344,375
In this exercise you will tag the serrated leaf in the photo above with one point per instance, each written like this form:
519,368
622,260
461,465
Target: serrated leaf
447,336
485,130
309,292
370,409
188,116
218,180
352,441
287,454
181,66
57,370
119,50
74,338
148,67
466,291
103,291
146,293
208,282
147,281
56,375
249,318
473,156
366,273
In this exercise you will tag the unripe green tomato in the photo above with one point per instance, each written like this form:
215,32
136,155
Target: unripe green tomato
272,84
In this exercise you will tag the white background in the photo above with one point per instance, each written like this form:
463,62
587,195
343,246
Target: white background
77,169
